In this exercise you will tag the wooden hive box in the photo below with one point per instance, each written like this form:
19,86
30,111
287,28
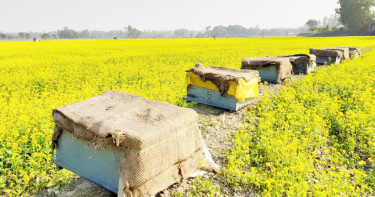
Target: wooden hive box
324,56
302,64
353,51
128,144
221,87
271,69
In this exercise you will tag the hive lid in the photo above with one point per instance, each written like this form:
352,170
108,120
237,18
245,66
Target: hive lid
303,57
358,49
214,73
132,122
344,50
265,61
326,53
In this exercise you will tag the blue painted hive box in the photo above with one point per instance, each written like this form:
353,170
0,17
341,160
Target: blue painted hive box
302,64
128,144
324,56
221,87
271,69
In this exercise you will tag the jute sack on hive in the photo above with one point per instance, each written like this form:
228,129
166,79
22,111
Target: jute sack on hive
282,64
344,50
353,51
238,83
161,142
326,53
302,63
304,57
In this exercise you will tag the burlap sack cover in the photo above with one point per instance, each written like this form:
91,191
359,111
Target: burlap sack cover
302,60
283,66
312,58
326,53
357,50
303,57
162,143
221,76
344,50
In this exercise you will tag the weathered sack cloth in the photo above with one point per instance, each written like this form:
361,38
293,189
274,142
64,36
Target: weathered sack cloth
344,50
326,53
303,57
221,76
356,51
283,65
161,142
302,61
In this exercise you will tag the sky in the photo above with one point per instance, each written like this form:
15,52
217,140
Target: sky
50,15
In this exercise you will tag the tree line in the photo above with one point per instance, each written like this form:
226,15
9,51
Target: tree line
355,16
132,32
68,33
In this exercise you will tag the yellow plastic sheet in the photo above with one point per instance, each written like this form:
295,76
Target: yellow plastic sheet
241,90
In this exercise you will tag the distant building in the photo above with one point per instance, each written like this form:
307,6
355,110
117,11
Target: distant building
36,39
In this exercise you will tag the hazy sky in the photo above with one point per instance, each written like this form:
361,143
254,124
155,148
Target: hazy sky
49,15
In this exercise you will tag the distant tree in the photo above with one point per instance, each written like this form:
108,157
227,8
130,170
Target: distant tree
129,29
3,36
67,33
356,15
199,35
331,21
10,37
208,32
84,34
181,33
27,36
21,35
219,31
45,36
236,31
133,32
312,24
254,31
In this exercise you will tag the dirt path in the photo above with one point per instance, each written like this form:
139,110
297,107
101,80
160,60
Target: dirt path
217,127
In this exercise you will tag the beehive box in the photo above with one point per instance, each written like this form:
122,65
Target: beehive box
302,64
271,69
327,56
344,50
221,87
353,51
128,144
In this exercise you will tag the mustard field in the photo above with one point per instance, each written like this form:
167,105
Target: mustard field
316,137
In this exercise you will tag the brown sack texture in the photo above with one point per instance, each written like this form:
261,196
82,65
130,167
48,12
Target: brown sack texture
344,50
312,57
161,142
303,57
301,61
356,50
283,65
326,53
221,76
